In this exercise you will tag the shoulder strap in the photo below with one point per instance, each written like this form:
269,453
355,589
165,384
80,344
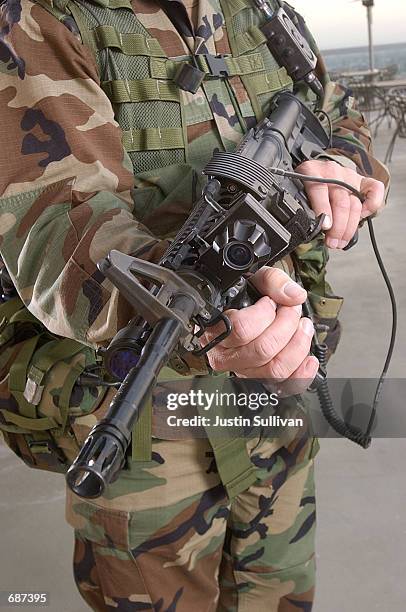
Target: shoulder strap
57,8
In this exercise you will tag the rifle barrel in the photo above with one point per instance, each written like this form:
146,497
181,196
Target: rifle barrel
104,452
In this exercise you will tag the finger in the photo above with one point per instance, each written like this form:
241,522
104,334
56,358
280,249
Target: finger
288,360
265,347
340,206
247,324
353,221
279,286
375,195
306,371
261,349
318,194
301,379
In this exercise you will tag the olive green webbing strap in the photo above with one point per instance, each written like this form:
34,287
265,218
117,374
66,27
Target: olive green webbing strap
10,312
25,316
10,308
16,313
27,420
142,431
255,83
27,423
60,349
85,32
235,468
249,40
141,445
21,370
18,377
116,4
268,81
251,63
237,66
129,43
153,139
61,9
234,465
12,428
140,90
235,6
57,11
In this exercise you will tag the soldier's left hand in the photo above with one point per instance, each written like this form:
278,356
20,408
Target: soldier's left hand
343,210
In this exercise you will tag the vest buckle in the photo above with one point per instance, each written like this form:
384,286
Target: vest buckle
189,78
216,64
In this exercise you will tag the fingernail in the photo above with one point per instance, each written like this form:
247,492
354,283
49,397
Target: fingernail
332,243
293,290
298,309
342,244
307,327
327,223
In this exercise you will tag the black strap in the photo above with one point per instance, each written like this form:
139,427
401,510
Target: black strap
178,15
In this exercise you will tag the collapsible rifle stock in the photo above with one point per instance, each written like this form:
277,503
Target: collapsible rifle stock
248,216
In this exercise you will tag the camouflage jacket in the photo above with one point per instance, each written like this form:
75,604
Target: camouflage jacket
69,192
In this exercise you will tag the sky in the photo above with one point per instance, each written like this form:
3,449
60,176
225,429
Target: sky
342,23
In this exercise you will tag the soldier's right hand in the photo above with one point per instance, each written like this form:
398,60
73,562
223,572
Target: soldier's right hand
269,340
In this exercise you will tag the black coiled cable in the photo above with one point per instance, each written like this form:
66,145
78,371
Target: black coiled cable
327,406
320,350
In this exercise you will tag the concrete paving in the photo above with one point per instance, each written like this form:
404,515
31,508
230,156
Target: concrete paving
361,494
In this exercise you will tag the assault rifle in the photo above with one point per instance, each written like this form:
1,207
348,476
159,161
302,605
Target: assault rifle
252,213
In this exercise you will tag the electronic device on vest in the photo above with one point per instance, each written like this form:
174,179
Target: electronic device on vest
289,47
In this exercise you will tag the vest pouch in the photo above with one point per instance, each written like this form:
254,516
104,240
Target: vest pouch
326,306
40,397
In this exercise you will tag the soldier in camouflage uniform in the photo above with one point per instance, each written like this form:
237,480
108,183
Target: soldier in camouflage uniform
101,150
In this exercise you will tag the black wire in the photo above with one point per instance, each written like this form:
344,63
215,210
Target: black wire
318,179
358,194
394,325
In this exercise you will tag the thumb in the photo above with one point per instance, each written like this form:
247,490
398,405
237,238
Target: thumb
278,286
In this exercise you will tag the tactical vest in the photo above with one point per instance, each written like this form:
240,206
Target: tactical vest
155,114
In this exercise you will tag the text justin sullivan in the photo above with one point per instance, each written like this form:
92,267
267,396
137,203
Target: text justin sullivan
237,421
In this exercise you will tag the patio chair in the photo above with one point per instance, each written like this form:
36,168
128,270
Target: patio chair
397,110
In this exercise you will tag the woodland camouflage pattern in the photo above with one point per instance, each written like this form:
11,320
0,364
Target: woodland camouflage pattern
69,193
133,555
65,197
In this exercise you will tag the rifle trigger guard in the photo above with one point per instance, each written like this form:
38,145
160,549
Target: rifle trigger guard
219,338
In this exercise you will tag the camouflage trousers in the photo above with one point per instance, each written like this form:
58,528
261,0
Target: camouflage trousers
167,538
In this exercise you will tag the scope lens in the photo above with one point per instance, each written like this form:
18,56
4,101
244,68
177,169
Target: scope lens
121,362
238,256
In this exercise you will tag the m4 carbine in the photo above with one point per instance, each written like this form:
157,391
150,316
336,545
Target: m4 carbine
246,217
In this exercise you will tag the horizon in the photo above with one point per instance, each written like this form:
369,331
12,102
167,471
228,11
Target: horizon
346,27
363,46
